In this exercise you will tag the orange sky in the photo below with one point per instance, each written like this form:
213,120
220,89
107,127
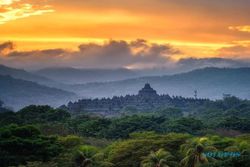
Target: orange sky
199,28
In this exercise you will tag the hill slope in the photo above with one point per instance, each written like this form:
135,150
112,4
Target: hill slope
22,74
209,82
78,76
18,93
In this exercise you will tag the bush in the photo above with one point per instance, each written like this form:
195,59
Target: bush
19,145
70,141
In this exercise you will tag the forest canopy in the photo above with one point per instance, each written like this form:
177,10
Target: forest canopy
216,134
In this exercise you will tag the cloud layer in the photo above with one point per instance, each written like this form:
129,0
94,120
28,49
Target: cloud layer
16,9
236,51
245,28
112,54
137,54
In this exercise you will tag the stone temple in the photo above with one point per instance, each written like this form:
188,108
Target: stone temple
147,99
147,92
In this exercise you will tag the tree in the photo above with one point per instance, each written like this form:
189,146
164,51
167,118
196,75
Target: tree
183,125
19,145
160,158
122,127
90,156
235,123
9,117
81,160
42,114
195,158
172,113
129,153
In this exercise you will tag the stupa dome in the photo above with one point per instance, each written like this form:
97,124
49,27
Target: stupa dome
147,91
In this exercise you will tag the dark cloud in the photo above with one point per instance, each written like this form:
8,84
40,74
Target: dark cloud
112,54
138,53
116,54
139,43
52,52
6,47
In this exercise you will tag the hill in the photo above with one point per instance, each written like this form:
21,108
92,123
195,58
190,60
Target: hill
22,74
209,83
18,93
77,76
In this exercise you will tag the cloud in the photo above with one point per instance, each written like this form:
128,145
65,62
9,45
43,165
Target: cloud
193,63
132,54
137,54
15,9
5,48
112,54
245,28
237,51
188,64
7,2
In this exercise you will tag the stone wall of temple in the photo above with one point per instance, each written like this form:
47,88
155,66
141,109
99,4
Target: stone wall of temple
147,99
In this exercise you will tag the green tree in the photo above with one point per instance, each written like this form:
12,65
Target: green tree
172,113
235,123
183,125
90,156
81,160
130,152
160,158
122,127
42,114
195,158
19,145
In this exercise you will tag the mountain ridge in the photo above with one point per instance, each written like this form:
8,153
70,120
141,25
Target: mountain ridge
209,82
69,75
18,93
25,75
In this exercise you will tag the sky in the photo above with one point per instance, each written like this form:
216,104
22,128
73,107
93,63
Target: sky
122,33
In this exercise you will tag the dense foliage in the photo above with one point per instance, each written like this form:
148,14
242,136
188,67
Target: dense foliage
41,136
21,144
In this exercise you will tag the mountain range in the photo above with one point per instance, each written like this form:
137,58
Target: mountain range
68,75
56,86
208,82
24,75
17,93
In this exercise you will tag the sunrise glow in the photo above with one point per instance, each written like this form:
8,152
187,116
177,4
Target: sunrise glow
198,30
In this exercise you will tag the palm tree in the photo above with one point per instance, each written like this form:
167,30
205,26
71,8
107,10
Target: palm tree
160,158
194,158
88,156
81,160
